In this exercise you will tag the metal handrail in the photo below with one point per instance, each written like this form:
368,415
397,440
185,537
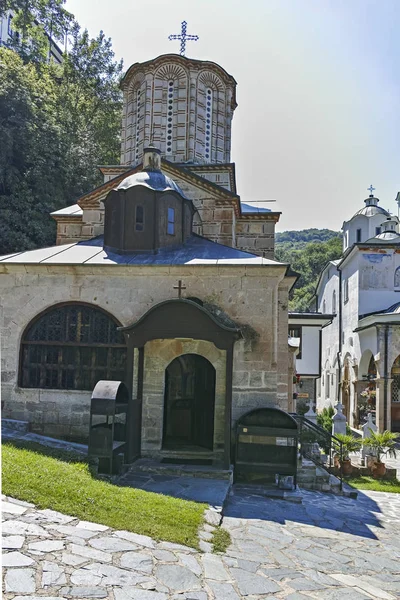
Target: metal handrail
333,444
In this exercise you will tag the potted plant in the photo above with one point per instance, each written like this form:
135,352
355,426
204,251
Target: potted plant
349,444
381,444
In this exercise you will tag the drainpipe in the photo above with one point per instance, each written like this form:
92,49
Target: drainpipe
385,382
340,338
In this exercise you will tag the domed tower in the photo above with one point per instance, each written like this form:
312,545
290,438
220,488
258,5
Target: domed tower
389,230
365,224
181,105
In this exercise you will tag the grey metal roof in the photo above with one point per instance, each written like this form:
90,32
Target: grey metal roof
248,208
387,237
370,211
394,309
154,180
73,210
197,251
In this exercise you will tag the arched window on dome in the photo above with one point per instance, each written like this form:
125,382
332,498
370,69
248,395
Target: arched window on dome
209,125
334,302
169,129
72,347
137,124
397,278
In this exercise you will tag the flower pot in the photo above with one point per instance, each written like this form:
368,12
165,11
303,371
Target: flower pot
336,461
379,470
346,466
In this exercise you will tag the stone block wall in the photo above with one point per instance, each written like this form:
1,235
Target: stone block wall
256,236
254,297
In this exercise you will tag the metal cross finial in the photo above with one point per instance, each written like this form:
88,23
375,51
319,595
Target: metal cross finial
183,37
179,287
371,189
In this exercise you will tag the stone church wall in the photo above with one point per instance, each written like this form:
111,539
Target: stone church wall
257,237
254,297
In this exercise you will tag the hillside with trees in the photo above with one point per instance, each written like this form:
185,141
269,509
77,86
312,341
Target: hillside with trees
307,251
57,122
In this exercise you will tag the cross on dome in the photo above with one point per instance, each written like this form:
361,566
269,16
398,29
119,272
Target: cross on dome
183,37
371,189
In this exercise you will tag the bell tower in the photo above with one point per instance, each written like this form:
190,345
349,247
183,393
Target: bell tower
181,105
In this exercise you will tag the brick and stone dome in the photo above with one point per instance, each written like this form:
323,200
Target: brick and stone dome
185,106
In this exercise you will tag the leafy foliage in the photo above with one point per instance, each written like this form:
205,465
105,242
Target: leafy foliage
34,23
324,418
349,443
382,443
305,236
307,255
57,123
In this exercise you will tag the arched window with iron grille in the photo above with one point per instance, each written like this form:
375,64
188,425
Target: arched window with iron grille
71,347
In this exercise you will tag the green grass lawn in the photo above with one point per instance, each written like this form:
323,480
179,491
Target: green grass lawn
377,485
56,480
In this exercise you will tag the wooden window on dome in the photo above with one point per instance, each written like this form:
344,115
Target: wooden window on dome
171,221
397,278
139,218
72,347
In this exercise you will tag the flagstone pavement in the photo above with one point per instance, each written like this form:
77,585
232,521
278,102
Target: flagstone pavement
326,548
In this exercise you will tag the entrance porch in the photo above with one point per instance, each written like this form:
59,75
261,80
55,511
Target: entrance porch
180,363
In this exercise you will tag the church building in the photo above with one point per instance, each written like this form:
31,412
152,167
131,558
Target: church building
360,361
161,277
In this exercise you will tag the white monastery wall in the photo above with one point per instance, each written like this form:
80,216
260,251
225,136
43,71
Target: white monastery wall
309,362
377,281
326,392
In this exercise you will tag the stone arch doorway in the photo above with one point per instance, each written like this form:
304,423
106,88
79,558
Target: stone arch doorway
189,404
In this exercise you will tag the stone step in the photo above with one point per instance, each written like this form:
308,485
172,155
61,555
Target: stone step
144,465
269,491
14,425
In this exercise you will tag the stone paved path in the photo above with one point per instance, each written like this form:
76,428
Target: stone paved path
326,548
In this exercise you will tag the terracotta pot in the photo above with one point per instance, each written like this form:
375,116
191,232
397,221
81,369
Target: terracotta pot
379,470
336,461
346,467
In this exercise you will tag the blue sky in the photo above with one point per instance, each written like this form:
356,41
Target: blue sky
318,117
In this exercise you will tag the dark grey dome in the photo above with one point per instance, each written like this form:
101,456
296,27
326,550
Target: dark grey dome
154,180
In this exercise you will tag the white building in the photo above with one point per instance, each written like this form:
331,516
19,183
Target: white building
360,359
306,329
7,33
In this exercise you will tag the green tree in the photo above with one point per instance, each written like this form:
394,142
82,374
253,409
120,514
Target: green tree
307,259
56,125
90,108
35,22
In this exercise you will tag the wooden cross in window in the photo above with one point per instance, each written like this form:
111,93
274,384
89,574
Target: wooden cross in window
179,287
